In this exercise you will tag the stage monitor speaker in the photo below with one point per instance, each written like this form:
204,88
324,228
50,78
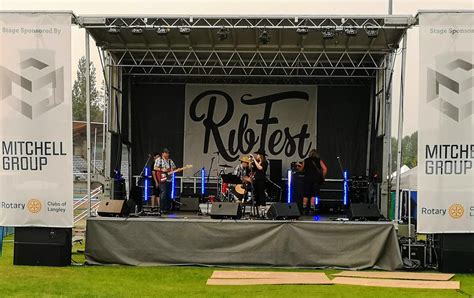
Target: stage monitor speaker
364,211
456,253
111,208
283,211
38,246
189,204
221,210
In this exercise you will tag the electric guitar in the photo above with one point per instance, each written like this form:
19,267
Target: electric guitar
162,176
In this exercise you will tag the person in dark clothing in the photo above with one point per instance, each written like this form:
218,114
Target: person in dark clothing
259,169
315,171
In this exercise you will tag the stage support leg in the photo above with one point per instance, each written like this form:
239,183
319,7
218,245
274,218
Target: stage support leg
400,125
88,121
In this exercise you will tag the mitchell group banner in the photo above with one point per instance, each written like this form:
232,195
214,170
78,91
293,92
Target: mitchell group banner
446,124
235,120
36,183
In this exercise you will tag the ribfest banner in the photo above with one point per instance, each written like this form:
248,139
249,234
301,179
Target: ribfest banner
36,183
223,122
446,124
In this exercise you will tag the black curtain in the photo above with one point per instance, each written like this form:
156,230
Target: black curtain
157,121
342,122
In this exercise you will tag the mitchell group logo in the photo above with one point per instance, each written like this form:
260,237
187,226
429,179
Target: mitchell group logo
35,87
34,206
456,211
450,85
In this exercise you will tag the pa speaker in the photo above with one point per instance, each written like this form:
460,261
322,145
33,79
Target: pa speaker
38,246
364,211
189,204
456,253
111,208
221,210
283,211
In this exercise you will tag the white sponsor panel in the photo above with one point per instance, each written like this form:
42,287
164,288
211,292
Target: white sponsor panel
236,120
446,123
36,183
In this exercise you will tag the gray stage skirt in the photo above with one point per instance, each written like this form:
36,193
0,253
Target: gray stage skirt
253,243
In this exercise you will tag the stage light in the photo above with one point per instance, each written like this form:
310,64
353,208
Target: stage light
173,185
264,37
137,30
372,32
222,34
162,31
328,33
184,30
346,189
289,187
114,30
146,184
316,201
302,30
203,186
350,31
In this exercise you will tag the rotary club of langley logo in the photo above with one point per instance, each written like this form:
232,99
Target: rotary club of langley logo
456,211
34,206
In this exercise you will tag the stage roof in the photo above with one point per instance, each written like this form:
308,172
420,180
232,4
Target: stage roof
237,46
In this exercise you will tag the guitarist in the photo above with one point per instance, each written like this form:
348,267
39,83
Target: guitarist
164,165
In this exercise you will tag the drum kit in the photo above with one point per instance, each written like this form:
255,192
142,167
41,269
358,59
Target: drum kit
231,188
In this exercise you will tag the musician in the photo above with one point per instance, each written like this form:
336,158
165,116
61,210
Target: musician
162,166
156,190
315,171
259,167
243,169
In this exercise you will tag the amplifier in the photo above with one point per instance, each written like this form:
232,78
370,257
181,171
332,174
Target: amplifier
456,253
37,246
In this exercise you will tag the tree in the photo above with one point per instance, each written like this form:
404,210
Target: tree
409,151
79,94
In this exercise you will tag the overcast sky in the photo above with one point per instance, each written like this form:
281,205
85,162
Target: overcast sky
258,7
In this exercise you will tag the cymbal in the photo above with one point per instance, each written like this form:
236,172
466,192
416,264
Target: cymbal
225,166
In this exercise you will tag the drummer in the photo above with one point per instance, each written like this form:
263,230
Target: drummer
243,169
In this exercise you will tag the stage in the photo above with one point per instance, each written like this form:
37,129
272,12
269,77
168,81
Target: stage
247,243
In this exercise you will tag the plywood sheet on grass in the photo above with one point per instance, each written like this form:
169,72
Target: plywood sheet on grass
397,275
397,283
268,275
265,281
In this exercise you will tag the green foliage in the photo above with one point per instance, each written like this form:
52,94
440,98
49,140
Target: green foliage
79,94
409,151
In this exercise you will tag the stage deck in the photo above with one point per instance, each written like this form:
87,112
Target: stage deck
253,243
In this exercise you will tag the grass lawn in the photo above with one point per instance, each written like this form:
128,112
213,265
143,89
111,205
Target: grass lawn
113,281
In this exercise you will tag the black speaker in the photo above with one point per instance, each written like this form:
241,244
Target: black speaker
221,210
364,211
189,204
456,253
35,246
111,208
283,211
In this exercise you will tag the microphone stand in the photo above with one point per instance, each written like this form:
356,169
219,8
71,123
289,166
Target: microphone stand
277,186
143,170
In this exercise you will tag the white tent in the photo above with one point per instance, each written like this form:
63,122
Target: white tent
409,179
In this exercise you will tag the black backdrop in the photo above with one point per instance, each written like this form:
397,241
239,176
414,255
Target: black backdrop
343,119
157,122
343,112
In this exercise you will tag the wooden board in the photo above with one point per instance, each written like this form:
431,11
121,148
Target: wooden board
397,283
265,281
396,275
268,275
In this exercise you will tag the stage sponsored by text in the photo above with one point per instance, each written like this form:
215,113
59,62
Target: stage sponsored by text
446,124
223,122
36,183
